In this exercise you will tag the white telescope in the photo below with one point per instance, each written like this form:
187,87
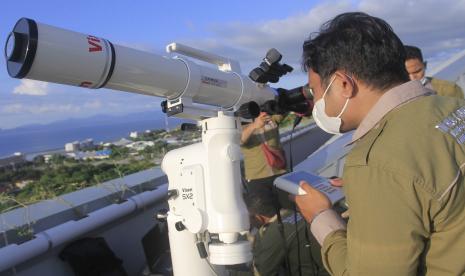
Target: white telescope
207,215
42,52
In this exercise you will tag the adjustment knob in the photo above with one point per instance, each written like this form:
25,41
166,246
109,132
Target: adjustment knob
180,226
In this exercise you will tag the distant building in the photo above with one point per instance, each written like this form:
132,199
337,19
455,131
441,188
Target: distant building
73,154
140,145
172,141
102,154
87,144
122,142
134,134
73,146
86,155
23,183
47,158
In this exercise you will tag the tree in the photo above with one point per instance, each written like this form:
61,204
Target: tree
39,160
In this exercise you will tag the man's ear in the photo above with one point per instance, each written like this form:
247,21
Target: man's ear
347,84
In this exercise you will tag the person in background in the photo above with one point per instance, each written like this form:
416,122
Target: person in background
264,157
272,244
259,139
416,68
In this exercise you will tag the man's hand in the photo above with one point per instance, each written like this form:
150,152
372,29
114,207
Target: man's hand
336,181
312,203
258,123
261,120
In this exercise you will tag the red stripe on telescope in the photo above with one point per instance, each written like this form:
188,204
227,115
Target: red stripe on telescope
94,44
85,84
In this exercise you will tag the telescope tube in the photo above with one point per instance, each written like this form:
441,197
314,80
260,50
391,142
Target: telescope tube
46,53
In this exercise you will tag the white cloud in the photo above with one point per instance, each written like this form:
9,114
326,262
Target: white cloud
95,104
32,88
434,26
60,109
113,104
151,105
40,108
12,108
248,42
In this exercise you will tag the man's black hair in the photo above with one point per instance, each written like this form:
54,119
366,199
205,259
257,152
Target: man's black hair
260,204
362,45
413,52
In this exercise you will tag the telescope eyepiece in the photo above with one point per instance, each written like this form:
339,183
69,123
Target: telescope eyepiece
298,100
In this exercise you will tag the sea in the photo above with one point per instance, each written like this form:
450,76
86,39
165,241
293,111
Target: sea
44,138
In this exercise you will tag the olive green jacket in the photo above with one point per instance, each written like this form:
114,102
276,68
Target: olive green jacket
445,88
270,254
404,185
255,164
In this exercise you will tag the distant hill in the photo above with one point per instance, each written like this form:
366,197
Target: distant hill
38,137
157,117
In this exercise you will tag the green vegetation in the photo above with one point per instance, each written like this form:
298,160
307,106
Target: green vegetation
45,179
118,152
53,181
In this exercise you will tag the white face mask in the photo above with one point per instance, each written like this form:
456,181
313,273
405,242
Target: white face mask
328,124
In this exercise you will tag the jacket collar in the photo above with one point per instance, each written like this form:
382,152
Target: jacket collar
390,100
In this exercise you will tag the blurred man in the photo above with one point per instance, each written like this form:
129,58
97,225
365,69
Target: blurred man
257,137
404,178
270,249
416,68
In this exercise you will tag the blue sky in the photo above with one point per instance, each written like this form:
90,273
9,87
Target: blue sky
239,29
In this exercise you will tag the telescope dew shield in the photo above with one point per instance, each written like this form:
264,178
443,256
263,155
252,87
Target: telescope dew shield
21,47
47,53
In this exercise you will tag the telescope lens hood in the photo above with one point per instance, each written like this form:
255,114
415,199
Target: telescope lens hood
21,48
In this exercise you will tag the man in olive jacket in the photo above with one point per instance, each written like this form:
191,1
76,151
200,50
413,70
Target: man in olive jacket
403,179
416,69
275,244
